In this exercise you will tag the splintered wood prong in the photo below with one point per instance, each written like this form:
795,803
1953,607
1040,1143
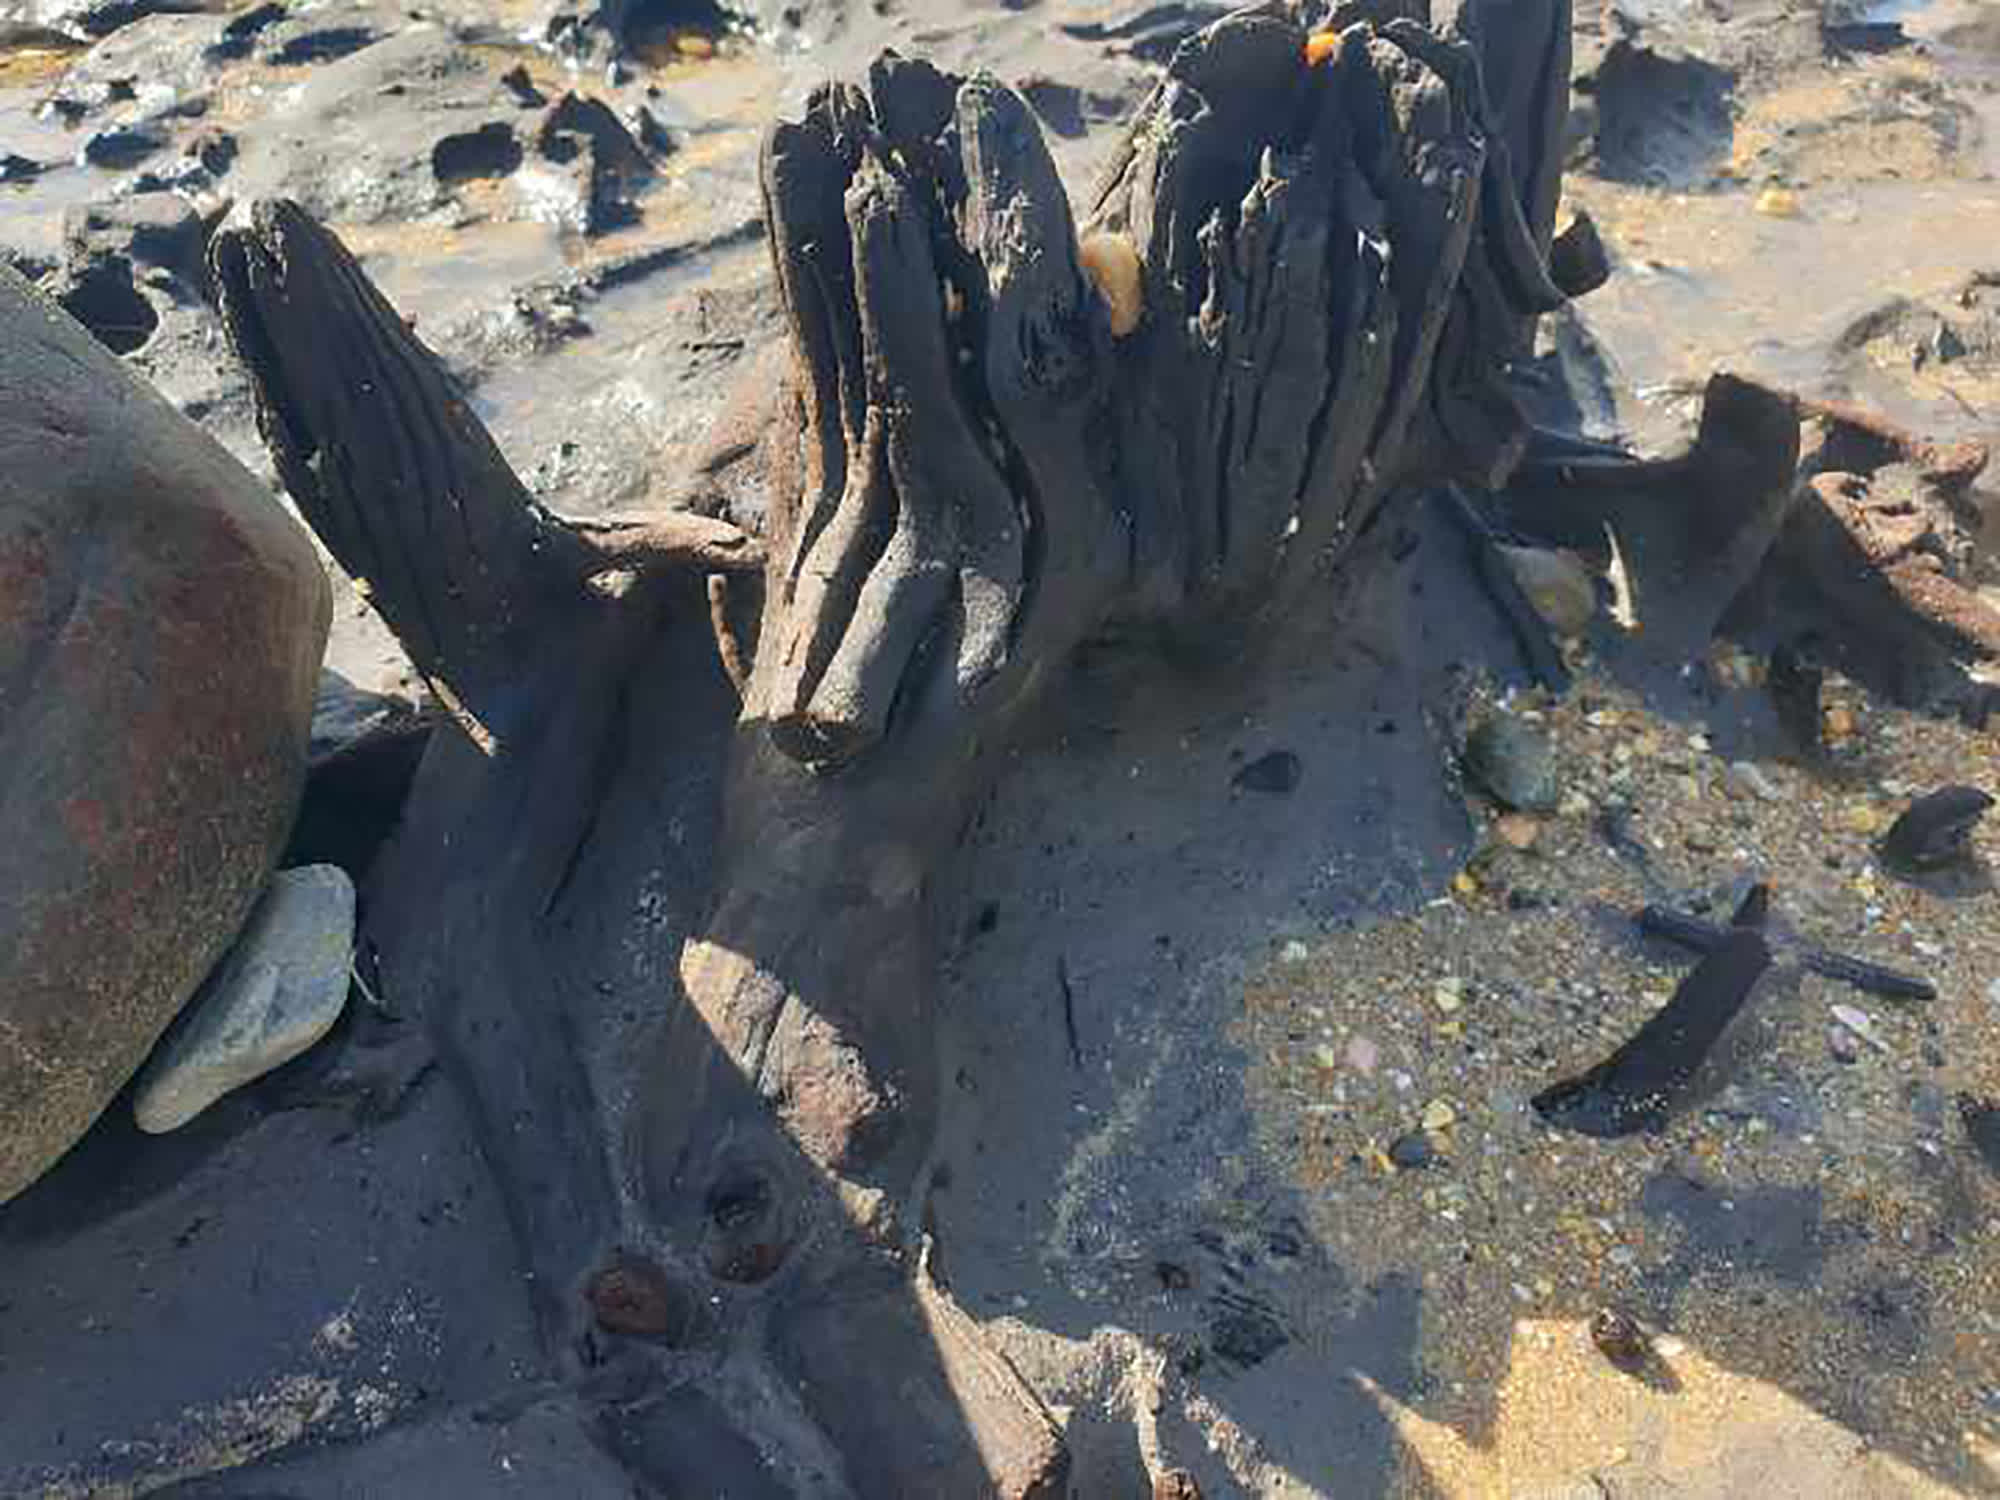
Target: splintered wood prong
372,439
951,363
672,539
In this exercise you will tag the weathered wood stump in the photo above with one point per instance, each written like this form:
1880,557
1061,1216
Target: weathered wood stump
969,471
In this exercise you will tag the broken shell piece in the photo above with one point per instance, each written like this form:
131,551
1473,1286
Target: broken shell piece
1112,264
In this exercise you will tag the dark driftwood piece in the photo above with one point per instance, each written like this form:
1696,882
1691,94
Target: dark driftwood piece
1639,1086
1705,937
963,477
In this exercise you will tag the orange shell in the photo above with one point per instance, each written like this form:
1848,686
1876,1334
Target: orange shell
1320,46
1112,264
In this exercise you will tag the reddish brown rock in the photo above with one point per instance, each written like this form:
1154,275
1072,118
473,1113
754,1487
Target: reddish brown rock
161,626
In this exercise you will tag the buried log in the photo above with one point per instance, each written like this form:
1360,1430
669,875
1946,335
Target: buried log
976,463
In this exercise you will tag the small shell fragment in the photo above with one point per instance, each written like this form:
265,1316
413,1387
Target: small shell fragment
1861,1024
1112,264
1778,203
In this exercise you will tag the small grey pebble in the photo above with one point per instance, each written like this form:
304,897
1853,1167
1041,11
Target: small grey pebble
1515,762
1413,1152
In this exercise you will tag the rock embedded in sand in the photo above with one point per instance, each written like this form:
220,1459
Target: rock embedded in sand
1936,829
280,990
1515,762
1274,774
117,147
1560,588
1778,203
1413,1152
161,629
1981,1119
1843,1045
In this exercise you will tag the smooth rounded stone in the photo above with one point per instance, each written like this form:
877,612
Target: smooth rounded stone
1559,587
1515,762
1745,779
280,990
161,625
1413,1152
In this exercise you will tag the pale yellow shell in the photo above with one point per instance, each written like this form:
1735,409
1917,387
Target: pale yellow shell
1112,264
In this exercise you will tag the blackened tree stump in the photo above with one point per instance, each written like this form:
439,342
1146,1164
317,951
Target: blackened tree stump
970,470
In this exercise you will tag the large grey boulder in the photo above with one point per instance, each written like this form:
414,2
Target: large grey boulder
162,620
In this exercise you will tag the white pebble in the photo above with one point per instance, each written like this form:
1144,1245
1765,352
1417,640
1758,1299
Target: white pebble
1861,1024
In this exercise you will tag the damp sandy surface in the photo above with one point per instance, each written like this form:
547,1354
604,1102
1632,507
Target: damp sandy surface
1814,1225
